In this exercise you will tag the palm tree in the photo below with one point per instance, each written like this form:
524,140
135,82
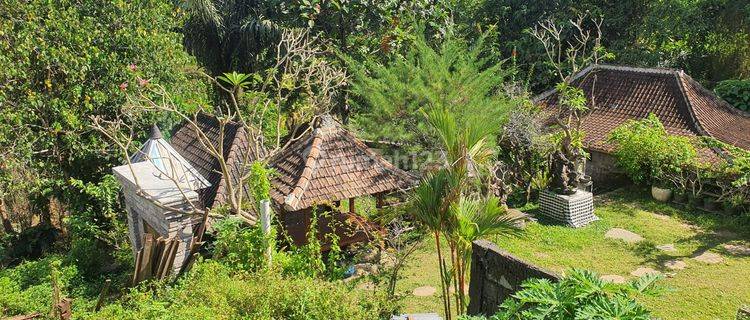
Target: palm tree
231,35
477,218
467,145
440,201
431,203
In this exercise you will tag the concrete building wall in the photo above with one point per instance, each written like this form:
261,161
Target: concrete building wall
605,174
167,224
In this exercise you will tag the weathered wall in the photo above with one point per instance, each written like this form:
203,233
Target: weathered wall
167,224
496,275
604,172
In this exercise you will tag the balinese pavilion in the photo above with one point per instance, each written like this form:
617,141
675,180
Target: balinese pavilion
313,176
324,167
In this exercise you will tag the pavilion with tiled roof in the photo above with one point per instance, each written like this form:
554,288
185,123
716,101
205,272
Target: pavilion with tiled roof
616,94
323,167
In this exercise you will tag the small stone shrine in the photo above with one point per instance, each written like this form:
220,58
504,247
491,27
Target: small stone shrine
159,187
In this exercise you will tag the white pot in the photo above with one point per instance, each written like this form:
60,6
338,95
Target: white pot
660,194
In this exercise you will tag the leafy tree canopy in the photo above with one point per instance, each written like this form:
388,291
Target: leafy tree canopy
64,61
455,77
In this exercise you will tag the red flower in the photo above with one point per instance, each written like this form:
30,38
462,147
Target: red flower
142,82
132,67
123,86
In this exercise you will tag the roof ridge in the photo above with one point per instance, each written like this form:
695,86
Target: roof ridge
596,66
229,159
656,70
685,80
689,105
724,104
294,197
575,77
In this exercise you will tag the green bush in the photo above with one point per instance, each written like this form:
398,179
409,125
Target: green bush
579,295
212,291
648,154
736,92
242,249
239,247
27,287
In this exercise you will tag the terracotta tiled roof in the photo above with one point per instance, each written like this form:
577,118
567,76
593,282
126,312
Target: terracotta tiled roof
617,94
330,164
235,142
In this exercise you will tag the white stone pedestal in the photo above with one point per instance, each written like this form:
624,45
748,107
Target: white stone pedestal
576,210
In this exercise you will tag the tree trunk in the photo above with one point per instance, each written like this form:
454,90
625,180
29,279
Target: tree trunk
443,287
454,261
7,225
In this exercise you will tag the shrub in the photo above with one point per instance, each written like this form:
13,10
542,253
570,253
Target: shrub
735,92
239,247
27,287
647,153
579,295
212,291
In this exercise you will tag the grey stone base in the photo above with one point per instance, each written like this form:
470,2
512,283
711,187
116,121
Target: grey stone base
576,210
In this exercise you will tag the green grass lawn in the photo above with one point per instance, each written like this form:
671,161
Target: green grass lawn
701,291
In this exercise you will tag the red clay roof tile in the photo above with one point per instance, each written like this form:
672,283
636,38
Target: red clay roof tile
330,164
617,94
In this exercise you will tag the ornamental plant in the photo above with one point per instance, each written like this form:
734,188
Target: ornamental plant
648,154
579,295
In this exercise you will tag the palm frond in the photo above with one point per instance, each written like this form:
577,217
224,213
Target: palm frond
206,12
481,218
431,198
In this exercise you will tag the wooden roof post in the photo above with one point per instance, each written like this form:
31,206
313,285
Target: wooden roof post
351,205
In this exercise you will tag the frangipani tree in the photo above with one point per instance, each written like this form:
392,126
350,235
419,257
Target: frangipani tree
300,85
570,48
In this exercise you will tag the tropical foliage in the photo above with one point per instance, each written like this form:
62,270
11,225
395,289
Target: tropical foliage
438,76
64,62
447,202
648,154
579,295
735,92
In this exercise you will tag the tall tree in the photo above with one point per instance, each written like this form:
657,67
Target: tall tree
456,76
232,35
64,61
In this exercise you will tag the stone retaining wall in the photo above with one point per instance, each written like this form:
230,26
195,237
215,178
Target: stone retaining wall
496,275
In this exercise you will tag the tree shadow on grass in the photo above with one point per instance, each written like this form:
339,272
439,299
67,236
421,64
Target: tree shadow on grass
712,230
705,239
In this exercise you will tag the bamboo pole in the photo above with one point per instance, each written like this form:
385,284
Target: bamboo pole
265,222
102,294
138,258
